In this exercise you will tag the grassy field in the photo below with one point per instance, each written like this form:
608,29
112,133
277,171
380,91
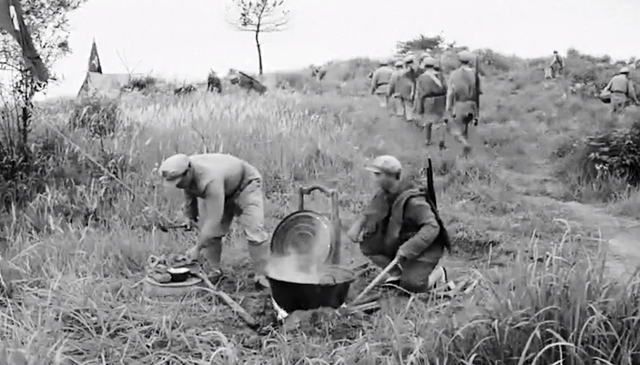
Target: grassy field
545,294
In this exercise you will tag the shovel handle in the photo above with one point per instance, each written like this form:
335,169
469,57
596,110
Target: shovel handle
246,317
376,280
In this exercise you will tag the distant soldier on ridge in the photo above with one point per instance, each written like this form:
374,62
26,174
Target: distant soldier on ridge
556,65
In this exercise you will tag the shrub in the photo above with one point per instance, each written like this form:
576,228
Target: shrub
614,154
291,80
101,117
145,84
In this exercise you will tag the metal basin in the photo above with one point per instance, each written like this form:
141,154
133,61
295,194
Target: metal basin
331,291
304,233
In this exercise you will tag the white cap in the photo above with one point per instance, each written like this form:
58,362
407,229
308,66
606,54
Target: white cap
385,163
173,168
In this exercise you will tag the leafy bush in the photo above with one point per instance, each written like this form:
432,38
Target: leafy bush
101,117
22,176
291,80
145,84
614,154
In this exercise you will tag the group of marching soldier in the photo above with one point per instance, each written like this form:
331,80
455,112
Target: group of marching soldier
415,89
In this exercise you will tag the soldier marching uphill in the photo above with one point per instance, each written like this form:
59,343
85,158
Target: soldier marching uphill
419,93
622,91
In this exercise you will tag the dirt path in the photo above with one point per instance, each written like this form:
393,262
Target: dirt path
620,236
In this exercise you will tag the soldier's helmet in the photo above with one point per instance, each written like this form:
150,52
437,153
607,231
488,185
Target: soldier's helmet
624,70
466,56
430,62
408,59
398,64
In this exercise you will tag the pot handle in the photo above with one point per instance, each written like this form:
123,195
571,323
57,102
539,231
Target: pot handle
333,280
335,216
329,193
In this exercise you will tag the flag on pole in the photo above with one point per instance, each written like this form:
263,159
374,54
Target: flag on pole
94,60
12,21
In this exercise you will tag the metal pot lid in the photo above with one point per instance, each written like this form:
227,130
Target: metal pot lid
304,232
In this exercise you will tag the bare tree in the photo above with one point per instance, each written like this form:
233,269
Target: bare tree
260,16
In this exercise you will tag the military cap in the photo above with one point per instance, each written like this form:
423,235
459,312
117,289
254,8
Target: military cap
466,56
408,59
625,70
430,61
385,164
173,168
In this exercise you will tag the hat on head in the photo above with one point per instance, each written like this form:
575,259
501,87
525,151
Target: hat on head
466,56
408,59
398,64
386,164
624,70
173,168
430,61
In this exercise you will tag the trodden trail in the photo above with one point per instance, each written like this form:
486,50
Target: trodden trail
619,236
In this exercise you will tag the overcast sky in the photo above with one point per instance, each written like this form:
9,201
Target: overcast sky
183,42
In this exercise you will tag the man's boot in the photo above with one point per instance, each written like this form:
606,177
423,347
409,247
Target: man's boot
399,107
439,277
428,128
259,254
408,109
382,101
212,253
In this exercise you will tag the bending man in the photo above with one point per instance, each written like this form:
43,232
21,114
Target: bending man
622,90
401,222
228,187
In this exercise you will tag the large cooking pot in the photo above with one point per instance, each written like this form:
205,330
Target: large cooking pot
304,232
331,291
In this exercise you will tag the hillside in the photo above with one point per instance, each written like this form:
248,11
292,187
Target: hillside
526,223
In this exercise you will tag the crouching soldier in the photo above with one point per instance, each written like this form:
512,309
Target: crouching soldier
228,187
401,222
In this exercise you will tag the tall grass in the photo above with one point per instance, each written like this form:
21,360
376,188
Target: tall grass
545,296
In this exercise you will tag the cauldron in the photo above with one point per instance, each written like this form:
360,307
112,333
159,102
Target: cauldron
331,291
304,232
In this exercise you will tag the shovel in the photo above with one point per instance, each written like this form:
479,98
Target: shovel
168,227
375,281
246,317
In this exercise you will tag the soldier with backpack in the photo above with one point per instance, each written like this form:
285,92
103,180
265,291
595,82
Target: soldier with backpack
402,222
557,65
431,96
